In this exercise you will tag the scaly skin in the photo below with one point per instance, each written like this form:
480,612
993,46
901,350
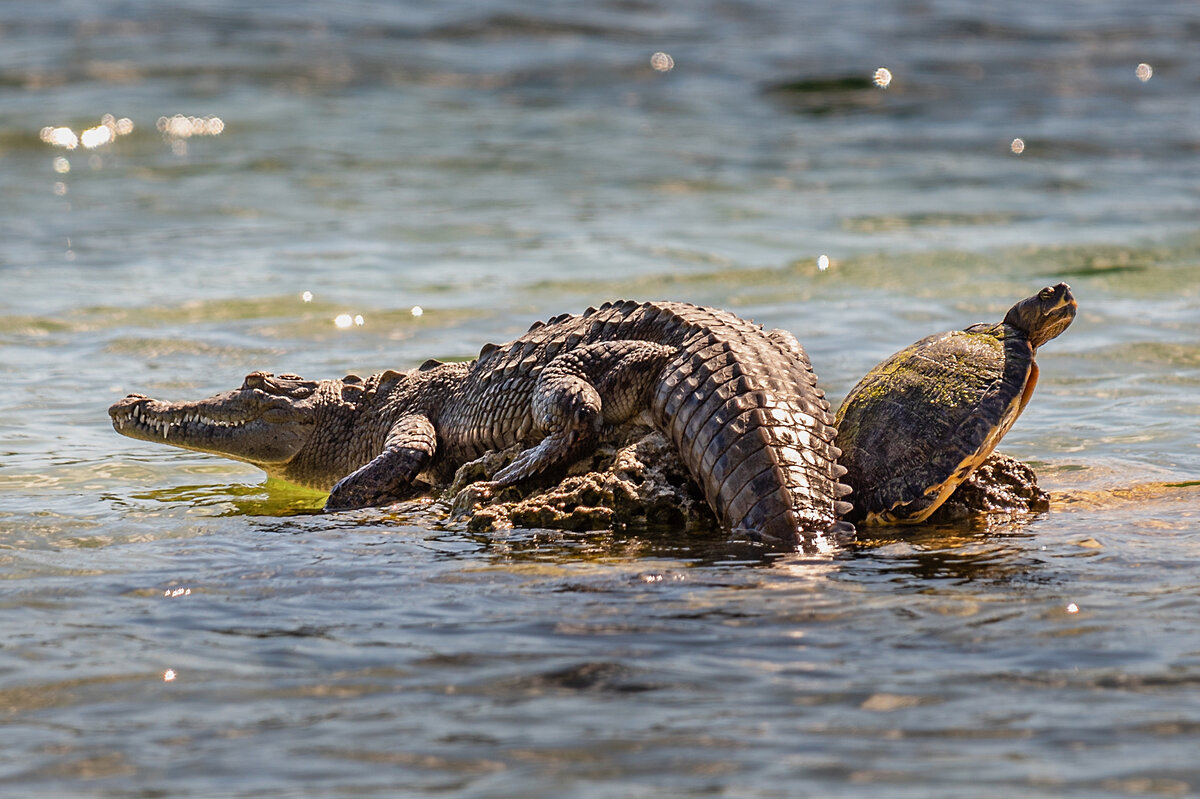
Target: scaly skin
740,404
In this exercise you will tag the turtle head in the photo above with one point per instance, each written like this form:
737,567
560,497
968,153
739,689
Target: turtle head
1044,315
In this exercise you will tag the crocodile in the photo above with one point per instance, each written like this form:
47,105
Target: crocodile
739,403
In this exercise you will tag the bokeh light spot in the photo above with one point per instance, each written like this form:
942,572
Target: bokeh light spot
60,137
185,127
96,137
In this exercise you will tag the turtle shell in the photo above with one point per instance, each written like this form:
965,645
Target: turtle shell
923,420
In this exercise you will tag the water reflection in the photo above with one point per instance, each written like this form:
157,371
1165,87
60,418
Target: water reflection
107,131
518,546
962,554
185,127
176,130
60,137
270,498
661,62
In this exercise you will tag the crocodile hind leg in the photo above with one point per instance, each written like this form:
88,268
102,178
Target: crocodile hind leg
408,449
578,393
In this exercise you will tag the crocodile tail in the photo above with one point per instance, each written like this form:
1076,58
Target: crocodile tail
745,413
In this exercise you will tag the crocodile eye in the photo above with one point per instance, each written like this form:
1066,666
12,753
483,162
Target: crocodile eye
290,376
256,380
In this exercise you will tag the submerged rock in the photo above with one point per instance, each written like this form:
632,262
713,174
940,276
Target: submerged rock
635,481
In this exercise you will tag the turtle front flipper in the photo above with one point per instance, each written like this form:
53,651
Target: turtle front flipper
409,448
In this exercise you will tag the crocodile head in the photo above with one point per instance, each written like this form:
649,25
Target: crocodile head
278,423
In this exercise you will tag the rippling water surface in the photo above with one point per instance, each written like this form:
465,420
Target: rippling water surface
173,624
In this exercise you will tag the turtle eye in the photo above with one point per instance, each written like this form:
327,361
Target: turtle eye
1046,293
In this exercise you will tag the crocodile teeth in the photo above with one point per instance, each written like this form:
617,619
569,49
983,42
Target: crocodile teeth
159,424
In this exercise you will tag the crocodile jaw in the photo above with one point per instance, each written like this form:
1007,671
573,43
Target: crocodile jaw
243,425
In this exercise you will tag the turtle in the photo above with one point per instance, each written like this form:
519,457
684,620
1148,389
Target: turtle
923,420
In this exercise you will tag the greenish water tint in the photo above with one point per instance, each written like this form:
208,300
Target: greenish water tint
174,624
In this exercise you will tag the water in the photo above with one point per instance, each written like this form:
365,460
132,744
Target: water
174,625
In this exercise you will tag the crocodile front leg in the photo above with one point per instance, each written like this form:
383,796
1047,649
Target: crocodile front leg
408,449
580,391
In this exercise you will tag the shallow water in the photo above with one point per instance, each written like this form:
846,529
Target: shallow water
172,624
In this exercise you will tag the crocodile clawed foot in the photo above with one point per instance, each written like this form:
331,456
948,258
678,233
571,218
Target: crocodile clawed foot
352,493
466,501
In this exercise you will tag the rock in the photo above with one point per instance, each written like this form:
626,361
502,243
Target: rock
1002,486
634,482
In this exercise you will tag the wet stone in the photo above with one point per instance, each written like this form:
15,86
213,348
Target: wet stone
634,481
1002,486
